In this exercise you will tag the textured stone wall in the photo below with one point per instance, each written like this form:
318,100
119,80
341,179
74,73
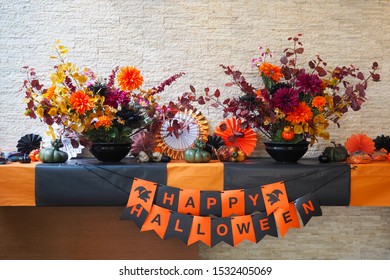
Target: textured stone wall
166,37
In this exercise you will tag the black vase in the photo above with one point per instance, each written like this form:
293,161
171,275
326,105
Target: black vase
286,152
110,152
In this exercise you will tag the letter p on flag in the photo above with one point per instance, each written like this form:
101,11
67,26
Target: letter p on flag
275,196
142,192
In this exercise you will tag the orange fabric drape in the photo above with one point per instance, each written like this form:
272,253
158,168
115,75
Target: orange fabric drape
17,184
198,176
370,184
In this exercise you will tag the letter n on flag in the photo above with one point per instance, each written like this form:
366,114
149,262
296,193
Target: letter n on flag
286,219
142,192
157,220
308,206
275,196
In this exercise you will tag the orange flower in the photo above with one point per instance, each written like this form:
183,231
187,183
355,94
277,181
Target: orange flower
318,102
81,102
104,121
360,143
50,92
301,114
271,71
129,78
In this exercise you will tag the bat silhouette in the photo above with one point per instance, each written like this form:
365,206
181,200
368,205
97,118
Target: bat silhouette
273,197
143,193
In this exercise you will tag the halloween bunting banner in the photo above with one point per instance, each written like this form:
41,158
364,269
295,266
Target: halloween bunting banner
211,217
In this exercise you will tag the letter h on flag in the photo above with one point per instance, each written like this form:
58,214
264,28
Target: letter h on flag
142,192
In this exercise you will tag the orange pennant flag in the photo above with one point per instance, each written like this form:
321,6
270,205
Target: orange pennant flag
157,220
142,192
275,196
286,219
233,202
189,202
200,230
242,228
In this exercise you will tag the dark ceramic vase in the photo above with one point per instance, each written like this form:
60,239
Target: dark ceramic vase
109,152
286,152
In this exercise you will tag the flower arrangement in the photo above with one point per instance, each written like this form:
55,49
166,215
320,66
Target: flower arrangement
293,103
89,110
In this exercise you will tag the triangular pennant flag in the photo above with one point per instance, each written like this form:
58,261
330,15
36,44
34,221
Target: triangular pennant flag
286,219
135,213
233,202
221,230
142,192
189,202
275,196
210,203
253,200
200,230
242,229
308,206
264,225
167,197
157,220
179,225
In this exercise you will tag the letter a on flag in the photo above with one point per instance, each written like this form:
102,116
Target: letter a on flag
142,192
157,220
275,196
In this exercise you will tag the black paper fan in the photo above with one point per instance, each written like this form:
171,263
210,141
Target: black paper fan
382,142
28,143
214,142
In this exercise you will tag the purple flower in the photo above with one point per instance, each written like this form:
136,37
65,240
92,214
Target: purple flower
309,83
116,97
286,99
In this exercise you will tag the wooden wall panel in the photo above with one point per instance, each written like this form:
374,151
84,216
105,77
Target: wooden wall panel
79,233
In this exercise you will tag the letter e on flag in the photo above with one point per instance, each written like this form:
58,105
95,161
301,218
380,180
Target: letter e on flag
275,196
286,219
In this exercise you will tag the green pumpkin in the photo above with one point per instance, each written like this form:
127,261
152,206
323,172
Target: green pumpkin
336,153
197,154
53,154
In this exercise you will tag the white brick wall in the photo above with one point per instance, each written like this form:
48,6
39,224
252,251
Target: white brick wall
166,37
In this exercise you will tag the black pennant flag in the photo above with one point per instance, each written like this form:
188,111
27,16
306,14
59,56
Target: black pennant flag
135,213
221,230
167,197
264,225
179,225
308,206
210,203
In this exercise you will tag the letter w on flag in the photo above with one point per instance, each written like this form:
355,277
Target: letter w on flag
275,196
142,192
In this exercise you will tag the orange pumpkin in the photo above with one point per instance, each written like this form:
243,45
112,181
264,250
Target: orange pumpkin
34,155
287,133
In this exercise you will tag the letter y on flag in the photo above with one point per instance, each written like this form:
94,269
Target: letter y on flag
142,192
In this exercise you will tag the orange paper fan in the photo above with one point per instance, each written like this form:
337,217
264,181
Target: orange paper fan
233,135
360,143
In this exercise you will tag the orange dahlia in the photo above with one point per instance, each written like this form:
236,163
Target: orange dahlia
104,121
318,102
301,114
360,143
271,71
81,102
129,78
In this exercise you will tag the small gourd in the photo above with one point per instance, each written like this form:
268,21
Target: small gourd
336,153
53,154
197,154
